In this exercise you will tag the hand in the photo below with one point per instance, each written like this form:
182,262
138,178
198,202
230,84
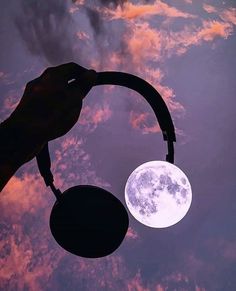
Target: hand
50,106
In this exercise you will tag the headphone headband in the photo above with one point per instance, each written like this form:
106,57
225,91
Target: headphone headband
153,98
148,92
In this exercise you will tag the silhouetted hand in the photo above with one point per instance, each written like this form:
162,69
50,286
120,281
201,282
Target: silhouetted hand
49,108
50,105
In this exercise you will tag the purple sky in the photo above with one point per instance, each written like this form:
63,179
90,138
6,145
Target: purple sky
186,50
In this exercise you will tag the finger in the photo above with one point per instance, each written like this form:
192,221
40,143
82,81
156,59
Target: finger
69,71
81,86
64,72
32,85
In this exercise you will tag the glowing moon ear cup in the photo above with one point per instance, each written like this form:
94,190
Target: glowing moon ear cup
89,221
158,194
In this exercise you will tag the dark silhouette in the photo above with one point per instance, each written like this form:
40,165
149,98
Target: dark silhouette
49,108
86,220
85,216
89,221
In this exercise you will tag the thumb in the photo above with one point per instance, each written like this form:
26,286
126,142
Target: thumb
83,84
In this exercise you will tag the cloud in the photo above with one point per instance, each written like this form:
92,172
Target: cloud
46,29
144,121
73,9
177,43
25,254
82,35
21,195
147,44
136,283
72,163
10,102
131,234
6,79
212,30
78,2
143,43
95,21
227,15
131,11
30,259
91,117
173,281
27,259
209,8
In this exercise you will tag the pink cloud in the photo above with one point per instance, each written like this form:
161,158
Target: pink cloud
32,260
143,43
11,101
136,119
72,164
177,43
6,78
78,2
229,15
73,9
70,141
131,234
28,258
142,122
212,30
209,8
130,11
147,44
26,265
23,195
136,284
93,116
168,282
82,35
160,288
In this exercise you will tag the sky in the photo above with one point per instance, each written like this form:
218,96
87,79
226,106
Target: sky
186,50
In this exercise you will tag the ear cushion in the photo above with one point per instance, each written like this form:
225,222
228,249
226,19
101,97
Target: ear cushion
89,221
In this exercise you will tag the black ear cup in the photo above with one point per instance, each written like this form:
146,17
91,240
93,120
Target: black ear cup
89,221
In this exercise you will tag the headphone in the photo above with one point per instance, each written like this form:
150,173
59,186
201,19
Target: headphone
87,220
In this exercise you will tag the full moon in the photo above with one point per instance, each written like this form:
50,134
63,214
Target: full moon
158,194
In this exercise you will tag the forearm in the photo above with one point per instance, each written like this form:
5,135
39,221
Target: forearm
16,148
